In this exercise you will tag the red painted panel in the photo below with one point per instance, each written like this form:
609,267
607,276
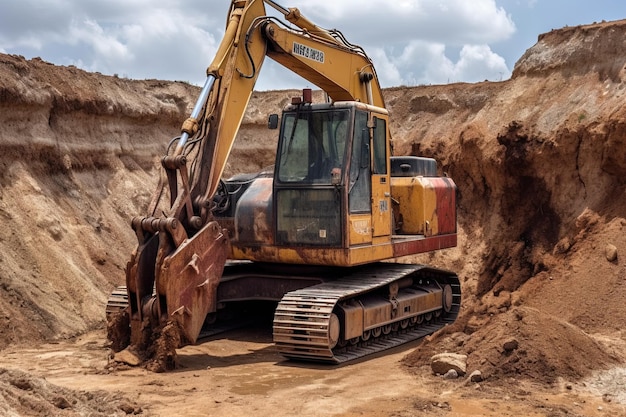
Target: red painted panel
404,247
445,189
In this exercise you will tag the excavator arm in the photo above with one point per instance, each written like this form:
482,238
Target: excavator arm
322,57
173,275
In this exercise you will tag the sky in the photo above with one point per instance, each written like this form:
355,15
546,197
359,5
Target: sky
411,42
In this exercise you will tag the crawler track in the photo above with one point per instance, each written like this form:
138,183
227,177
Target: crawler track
303,326
118,300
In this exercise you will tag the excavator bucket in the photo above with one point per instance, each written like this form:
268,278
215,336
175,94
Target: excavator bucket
188,279
168,286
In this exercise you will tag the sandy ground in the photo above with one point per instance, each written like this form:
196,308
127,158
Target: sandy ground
240,374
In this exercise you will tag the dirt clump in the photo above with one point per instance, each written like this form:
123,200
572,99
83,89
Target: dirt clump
156,352
118,333
163,357
24,394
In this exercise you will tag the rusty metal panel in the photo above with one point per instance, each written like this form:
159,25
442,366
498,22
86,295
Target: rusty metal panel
189,277
377,311
352,317
411,194
446,205
420,244
429,302
360,229
140,275
413,301
427,204
253,216
381,206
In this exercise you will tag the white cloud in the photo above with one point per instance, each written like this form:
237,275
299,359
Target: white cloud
424,63
382,21
421,62
478,62
410,41
105,44
386,70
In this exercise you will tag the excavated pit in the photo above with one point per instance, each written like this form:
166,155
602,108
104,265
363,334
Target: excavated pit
539,161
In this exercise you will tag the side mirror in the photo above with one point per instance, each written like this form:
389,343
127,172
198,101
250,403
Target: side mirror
272,121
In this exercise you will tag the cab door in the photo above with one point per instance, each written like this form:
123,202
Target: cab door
381,188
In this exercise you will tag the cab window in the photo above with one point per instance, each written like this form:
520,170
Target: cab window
380,148
312,145
360,187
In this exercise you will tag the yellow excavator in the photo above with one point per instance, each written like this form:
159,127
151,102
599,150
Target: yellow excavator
315,235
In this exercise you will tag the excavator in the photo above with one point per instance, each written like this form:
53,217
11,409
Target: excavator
319,234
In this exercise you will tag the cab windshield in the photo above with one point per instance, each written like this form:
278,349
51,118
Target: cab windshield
312,145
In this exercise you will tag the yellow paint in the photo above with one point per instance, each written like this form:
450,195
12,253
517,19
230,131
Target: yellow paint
381,206
360,229
418,205
315,256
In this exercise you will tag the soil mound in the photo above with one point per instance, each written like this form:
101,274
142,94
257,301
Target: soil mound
524,343
22,394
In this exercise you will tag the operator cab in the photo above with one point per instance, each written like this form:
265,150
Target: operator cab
324,164
330,190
